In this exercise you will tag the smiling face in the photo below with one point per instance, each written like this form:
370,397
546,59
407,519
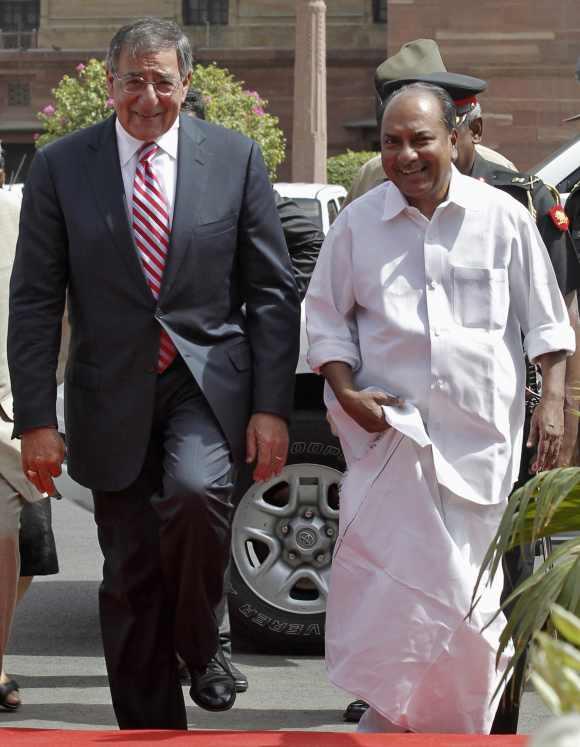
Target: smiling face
146,115
417,149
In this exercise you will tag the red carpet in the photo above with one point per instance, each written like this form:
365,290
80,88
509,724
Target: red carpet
56,738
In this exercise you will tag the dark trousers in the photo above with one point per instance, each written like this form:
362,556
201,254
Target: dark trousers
518,565
165,540
222,614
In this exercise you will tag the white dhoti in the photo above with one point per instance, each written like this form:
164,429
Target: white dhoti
406,561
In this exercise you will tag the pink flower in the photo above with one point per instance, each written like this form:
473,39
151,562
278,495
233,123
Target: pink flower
36,136
49,110
109,103
253,94
258,111
80,67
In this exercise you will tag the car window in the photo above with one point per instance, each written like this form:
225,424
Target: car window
570,181
332,211
311,208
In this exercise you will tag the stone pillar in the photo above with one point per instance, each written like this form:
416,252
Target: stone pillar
309,130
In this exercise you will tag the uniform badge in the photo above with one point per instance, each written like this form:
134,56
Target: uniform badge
559,217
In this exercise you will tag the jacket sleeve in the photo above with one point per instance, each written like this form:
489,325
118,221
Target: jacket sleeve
303,239
560,249
37,299
270,294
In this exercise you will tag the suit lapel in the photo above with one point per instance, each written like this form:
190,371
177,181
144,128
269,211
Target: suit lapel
192,175
104,173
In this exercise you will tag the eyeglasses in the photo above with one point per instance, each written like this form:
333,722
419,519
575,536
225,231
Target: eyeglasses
135,84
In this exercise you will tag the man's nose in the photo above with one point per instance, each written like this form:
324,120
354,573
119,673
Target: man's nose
407,153
149,94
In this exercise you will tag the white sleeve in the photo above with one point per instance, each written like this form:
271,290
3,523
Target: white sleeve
534,292
330,302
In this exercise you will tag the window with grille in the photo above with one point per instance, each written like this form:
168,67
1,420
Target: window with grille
18,93
200,12
19,15
380,11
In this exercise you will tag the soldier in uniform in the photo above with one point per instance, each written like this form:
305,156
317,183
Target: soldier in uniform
417,61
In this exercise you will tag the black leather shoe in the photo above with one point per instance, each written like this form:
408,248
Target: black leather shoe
354,711
240,679
214,689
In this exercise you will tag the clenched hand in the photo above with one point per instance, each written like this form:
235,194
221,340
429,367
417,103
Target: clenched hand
42,456
366,408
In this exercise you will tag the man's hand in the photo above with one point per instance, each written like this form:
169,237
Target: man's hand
267,445
42,455
547,431
366,408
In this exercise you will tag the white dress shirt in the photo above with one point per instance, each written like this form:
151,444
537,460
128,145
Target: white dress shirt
164,163
434,311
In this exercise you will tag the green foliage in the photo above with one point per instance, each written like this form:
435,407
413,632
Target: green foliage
548,504
83,100
228,104
555,664
342,169
78,102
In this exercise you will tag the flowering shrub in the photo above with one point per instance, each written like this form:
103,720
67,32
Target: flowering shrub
228,104
83,100
78,102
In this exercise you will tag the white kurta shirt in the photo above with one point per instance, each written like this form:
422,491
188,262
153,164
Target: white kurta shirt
434,311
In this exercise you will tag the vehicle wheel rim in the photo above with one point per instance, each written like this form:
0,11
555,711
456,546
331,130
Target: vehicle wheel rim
284,532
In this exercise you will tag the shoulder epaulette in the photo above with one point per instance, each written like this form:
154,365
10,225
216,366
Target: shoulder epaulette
504,178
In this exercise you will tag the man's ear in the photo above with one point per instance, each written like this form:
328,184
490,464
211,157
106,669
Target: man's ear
110,83
453,141
476,128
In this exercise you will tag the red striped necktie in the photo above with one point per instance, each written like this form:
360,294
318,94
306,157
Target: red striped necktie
151,229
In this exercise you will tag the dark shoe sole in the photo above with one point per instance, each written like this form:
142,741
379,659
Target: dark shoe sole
214,709
241,686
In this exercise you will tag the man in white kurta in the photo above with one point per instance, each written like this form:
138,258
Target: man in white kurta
421,295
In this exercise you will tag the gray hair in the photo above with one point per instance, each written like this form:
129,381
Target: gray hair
448,110
151,35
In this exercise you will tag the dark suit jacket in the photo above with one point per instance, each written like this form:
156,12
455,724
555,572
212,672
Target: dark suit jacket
228,298
303,239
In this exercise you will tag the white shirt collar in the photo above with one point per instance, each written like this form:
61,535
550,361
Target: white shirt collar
129,145
462,192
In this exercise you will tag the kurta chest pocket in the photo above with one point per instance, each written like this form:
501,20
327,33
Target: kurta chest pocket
480,297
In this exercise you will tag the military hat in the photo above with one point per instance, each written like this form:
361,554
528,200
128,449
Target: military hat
420,61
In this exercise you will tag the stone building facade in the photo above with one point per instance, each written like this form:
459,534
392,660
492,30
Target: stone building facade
526,49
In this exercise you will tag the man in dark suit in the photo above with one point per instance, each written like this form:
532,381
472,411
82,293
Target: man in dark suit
184,320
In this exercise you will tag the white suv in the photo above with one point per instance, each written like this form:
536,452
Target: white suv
562,168
320,202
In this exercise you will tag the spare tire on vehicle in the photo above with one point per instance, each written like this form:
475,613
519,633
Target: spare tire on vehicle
283,536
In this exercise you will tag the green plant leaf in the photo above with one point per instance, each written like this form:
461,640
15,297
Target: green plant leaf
566,623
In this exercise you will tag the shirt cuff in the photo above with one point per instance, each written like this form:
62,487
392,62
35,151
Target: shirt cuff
550,338
327,351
